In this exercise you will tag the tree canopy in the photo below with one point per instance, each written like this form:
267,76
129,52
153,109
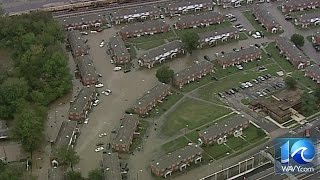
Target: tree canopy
164,74
290,82
68,156
190,40
297,39
308,104
96,174
73,175
10,172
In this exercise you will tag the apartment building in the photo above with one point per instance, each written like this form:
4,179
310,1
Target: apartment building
80,107
161,54
4,130
192,73
151,99
201,19
313,72
77,43
144,28
266,19
181,7
84,21
87,70
219,132
308,19
133,14
242,56
125,135
299,5
235,3
220,35
292,53
118,50
111,166
178,160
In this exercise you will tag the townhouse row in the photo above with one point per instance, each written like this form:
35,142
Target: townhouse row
308,19
237,3
299,5
266,19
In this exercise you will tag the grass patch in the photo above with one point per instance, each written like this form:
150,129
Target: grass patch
150,44
245,101
305,81
193,85
160,36
283,63
217,151
192,113
236,143
143,126
206,29
167,103
243,36
175,144
252,133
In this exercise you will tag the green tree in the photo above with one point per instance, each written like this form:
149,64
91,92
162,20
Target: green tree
317,93
73,175
96,174
1,10
290,82
68,156
190,40
297,39
164,74
308,104
11,172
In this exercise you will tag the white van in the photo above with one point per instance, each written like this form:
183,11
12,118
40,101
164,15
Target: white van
117,68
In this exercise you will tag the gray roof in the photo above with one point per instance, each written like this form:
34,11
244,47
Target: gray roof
233,56
267,18
136,27
151,54
151,95
118,47
194,69
4,130
111,166
175,157
82,99
299,3
309,16
202,16
131,12
218,32
55,174
86,67
84,19
66,133
126,130
222,126
314,68
185,3
76,40
291,51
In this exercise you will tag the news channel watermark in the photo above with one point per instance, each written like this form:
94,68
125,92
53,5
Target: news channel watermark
295,155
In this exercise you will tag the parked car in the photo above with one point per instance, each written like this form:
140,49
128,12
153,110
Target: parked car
100,75
255,81
238,25
100,85
261,78
161,16
206,58
84,33
269,75
102,135
232,91
249,84
99,144
244,85
93,31
239,67
221,95
260,94
227,92
236,50
96,102
256,35
86,121
98,149
118,68
235,89
102,43
234,19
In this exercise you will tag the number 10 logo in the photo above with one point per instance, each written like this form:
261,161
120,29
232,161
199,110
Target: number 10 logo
301,151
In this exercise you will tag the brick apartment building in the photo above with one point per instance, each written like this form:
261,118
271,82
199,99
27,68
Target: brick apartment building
77,43
87,70
292,53
299,5
182,7
235,3
201,19
316,38
313,72
151,99
118,50
242,56
219,132
144,28
220,35
136,13
82,104
266,19
126,133
161,54
111,166
192,73
84,22
308,19
177,160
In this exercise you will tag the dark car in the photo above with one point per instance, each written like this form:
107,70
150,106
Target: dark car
127,70
214,78
99,30
257,45
206,58
269,55
269,75
227,92
100,144
221,95
235,90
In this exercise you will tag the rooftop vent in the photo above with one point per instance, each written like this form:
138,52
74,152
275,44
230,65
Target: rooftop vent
179,156
120,140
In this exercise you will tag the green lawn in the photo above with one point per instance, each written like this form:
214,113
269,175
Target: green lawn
160,36
143,126
217,151
167,103
206,29
309,38
284,63
243,36
193,85
175,144
252,134
192,113
236,143
150,44
305,81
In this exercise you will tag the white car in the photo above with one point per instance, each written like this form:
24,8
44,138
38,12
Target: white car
100,85
86,121
112,61
239,67
102,135
102,43
98,149
256,35
96,102
161,16
117,68
94,31
244,85
84,33
249,84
